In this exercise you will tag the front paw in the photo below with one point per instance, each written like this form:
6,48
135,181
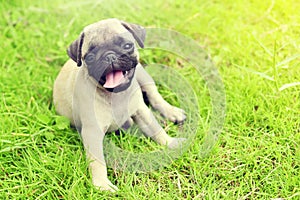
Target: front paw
175,115
176,143
104,185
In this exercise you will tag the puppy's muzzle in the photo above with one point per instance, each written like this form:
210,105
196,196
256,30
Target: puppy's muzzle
119,71
110,57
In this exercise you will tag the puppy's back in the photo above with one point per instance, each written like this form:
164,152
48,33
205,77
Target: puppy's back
64,88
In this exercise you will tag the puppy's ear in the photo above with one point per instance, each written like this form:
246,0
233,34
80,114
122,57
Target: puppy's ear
138,32
75,50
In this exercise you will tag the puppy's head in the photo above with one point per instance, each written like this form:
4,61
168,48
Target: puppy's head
108,50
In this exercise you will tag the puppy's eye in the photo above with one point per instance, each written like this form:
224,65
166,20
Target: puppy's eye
128,46
89,58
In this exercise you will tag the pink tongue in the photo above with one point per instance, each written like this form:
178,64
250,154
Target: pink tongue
113,79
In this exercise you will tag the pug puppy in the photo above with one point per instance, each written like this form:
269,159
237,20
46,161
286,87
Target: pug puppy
100,90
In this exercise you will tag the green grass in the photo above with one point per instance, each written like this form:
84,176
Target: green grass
255,46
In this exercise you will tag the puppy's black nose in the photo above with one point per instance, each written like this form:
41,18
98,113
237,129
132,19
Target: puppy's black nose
111,57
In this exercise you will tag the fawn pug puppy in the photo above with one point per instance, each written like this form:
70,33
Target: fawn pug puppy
100,90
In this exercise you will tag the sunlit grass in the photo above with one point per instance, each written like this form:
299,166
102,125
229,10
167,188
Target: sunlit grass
254,45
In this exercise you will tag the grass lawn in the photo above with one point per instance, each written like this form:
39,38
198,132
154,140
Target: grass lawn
255,45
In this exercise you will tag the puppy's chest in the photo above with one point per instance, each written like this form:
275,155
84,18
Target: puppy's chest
113,111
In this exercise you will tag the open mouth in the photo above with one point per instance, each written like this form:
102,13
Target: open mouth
117,78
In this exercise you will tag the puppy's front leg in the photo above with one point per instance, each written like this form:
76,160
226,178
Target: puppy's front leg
92,138
151,128
148,86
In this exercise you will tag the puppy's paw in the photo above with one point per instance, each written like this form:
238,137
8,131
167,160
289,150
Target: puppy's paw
105,185
175,114
176,143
